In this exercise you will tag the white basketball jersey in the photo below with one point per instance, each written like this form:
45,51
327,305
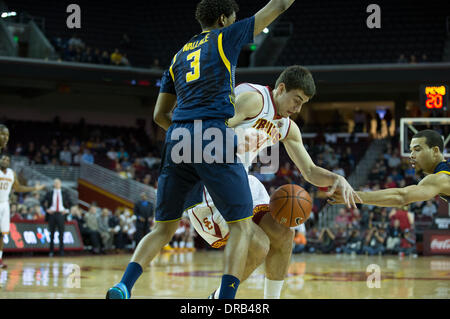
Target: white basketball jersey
6,182
267,125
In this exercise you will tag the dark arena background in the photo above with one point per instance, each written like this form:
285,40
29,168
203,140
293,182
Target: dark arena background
77,94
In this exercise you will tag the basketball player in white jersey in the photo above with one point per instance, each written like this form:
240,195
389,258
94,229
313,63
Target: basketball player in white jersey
8,180
262,115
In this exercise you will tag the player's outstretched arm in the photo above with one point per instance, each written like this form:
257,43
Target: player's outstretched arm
427,189
269,13
164,105
315,175
24,189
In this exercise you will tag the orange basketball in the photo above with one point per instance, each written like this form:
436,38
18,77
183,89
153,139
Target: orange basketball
290,205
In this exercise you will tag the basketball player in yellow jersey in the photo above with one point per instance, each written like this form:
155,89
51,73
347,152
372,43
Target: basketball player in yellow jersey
262,120
8,180
427,158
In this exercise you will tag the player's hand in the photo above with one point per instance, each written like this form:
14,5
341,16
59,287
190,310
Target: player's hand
252,141
39,187
346,194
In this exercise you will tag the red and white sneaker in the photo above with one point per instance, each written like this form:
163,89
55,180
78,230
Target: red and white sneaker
2,265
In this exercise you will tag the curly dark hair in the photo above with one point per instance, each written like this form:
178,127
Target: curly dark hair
298,77
208,11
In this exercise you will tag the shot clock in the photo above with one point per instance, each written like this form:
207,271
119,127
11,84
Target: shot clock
434,97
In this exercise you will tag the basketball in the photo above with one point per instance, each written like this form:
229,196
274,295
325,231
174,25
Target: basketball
290,205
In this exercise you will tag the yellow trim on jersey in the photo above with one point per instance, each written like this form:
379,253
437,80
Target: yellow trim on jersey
443,172
171,67
192,206
238,220
227,64
167,221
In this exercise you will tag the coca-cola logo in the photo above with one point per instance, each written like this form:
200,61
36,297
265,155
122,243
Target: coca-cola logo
440,243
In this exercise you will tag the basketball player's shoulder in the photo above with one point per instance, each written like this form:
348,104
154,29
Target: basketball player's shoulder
250,103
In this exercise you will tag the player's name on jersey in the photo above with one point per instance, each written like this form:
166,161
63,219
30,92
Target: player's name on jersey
193,45
5,179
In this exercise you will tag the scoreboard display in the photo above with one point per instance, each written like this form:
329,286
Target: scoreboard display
434,97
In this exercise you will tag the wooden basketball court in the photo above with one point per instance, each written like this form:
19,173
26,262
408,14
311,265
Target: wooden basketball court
197,274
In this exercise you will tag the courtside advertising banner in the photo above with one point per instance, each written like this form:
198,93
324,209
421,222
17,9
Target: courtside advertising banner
35,236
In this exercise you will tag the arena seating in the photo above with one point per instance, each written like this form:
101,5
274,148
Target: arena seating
414,28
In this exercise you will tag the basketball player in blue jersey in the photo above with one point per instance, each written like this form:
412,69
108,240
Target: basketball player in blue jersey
200,81
427,148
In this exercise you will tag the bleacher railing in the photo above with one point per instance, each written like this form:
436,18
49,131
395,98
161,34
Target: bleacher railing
32,177
112,182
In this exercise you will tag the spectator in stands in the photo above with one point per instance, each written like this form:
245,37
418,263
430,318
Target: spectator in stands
144,212
394,237
342,217
104,229
116,57
327,241
184,235
403,215
87,56
32,199
96,58
408,244
424,58
87,157
65,156
115,225
390,183
122,154
353,243
151,161
155,65
14,213
374,241
299,242
91,219
394,160
338,170
128,223
105,58
76,41
69,54
364,222
402,59
112,154
429,209
285,172
77,158
88,235
396,176
412,59
124,61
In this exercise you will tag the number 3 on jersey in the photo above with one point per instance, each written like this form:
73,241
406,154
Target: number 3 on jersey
194,57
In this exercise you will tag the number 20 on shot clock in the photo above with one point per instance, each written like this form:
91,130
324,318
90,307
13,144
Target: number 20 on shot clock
434,97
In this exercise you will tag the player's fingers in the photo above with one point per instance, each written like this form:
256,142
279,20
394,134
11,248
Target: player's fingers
347,198
332,189
352,196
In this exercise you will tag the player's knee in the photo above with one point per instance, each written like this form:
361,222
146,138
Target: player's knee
165,230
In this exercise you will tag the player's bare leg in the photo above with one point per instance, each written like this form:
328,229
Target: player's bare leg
152,243
277,261
2,265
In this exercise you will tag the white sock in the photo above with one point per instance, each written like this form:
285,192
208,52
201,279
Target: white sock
216,294
1,254
182,244
272,288
175,244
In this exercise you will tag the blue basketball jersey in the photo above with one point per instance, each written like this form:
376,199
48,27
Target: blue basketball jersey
443,168
202,73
